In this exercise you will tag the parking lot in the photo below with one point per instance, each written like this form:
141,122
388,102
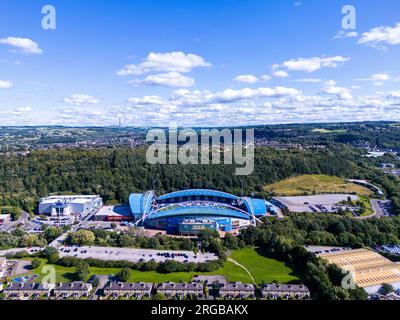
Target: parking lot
134,255
385,207
316,203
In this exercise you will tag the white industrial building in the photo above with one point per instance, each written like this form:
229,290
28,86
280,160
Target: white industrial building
68,205
3,265
5,218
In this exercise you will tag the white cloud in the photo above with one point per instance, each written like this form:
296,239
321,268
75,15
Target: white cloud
280,74
266,77
169,79
312,64
165,62
380,36
246,78
394,94
205,108
252,106
202,98
81,99
23,109
147,100
309,80
378,79
341,92
345,34
4,84
25,45
247,93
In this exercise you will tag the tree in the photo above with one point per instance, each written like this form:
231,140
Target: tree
96,282
15,212
36,263
159,296
81,237
125,274
231,242
82,270
32,240
52,233
210,241
51,254
386,289
358,294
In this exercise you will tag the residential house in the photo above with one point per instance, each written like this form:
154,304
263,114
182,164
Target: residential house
180,290
27,290
127,289
76,289
285,291
237,290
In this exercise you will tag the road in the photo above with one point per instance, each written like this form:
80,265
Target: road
378,213
22,220
16,250
376,207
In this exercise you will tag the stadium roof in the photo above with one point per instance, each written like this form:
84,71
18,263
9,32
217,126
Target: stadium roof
198,211
141,203
198,192
136,203
259,206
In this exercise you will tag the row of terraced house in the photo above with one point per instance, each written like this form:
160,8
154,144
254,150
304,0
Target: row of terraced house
138,290
27,290
233,290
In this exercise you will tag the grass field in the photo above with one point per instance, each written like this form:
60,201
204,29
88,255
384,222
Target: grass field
368,206
329,131
230,271
262,269
67,274
315,184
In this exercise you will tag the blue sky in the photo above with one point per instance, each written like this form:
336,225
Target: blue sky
228,62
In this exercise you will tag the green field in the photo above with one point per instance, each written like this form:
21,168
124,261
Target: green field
230,271
368,206
67,274
262,269
315,184
322,130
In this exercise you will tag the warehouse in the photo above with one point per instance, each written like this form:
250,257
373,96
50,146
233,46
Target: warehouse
69,204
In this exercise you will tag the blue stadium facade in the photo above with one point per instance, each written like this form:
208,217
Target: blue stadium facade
190,211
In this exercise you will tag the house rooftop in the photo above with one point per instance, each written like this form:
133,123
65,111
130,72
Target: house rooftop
73,286
191,286
123,286
285,288
237,286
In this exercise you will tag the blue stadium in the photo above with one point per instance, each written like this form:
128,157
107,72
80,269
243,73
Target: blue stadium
188,212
